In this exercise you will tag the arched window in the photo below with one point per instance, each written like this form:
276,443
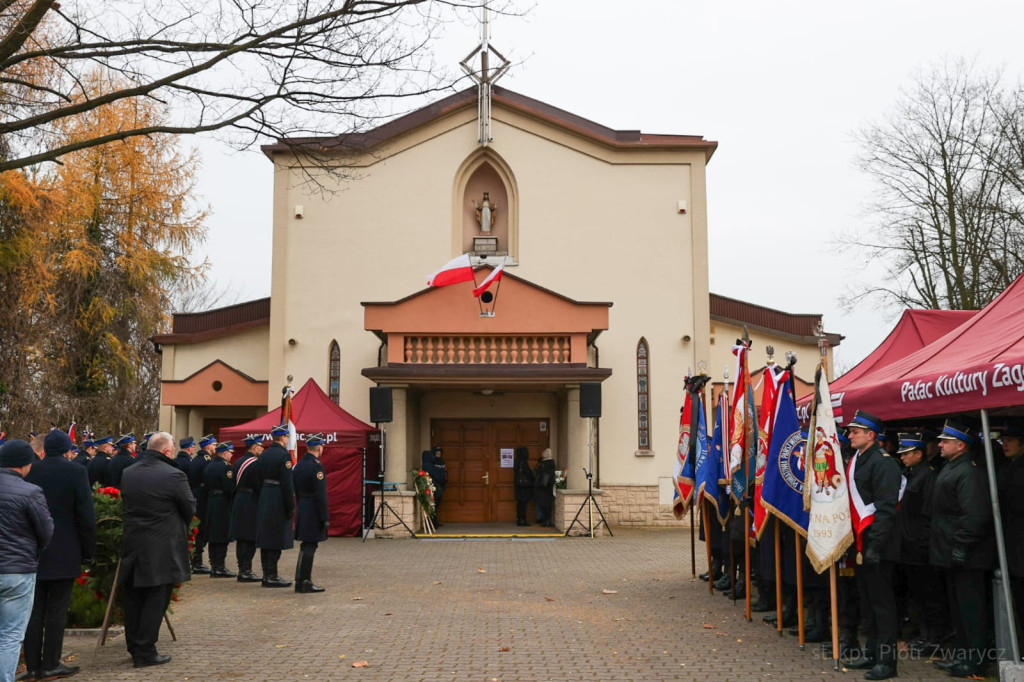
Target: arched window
643,396
334,375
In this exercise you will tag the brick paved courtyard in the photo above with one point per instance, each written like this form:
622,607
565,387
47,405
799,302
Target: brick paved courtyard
424,610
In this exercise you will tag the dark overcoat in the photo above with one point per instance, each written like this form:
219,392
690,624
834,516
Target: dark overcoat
914,515
245,505
311,500
158,507
1011,507
277,499
545,482
121,460
82,458
962,517
524,479
878,480
182,460
99,470
196,467
219,481
69,498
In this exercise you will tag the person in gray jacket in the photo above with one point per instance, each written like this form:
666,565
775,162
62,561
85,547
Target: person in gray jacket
25,529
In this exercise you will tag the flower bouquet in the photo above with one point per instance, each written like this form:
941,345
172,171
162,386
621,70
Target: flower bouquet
561,478
92,588
424,491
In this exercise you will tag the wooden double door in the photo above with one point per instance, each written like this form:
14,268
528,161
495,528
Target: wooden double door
480,489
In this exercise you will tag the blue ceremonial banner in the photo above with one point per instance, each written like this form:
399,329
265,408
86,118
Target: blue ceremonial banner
783,491
711,465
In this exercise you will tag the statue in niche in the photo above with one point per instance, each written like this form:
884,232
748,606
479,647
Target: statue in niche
485,213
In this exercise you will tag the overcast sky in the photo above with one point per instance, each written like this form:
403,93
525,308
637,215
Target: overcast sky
783,87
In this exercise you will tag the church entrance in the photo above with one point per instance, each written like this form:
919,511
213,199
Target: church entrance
477,454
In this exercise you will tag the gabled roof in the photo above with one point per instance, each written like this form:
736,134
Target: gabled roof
502,97
799,326
210,324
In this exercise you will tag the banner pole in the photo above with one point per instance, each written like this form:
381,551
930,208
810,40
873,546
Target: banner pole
835,614
693,542
778,576
707,543
799,593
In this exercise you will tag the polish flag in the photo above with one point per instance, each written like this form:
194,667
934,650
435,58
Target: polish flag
71,431
454,271
495,276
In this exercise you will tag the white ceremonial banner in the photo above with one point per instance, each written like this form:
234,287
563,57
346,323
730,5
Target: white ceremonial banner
826,496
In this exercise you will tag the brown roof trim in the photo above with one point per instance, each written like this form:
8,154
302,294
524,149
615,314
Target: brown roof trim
210,324
797,327
215,362
506,273
619,139
461,373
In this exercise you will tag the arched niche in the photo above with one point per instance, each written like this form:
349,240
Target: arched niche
485,171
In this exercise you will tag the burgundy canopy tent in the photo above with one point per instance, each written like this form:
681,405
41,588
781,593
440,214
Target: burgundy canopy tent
314,412
978,366
915,329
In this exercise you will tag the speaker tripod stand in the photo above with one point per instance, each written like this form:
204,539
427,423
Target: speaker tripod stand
590,503
380,519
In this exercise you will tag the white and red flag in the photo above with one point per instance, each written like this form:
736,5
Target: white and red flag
456,270
495,276
769,402
826,496
288,418
71,431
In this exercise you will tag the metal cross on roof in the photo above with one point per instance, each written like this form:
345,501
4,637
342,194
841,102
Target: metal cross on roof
486,76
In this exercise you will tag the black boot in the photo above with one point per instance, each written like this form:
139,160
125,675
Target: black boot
270,577
198,567
244,553
304,572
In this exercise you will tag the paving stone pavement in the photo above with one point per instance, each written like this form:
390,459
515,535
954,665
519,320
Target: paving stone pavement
481,610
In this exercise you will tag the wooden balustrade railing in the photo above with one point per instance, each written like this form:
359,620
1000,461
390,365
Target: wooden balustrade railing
487,350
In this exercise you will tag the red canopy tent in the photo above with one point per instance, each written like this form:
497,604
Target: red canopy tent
915,330
314,412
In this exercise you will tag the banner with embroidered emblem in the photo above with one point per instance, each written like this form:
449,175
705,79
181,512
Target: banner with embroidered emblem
742,427
684,472
769,400
710,466
826,496
782,492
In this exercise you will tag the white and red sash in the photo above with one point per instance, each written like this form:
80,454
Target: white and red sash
863,514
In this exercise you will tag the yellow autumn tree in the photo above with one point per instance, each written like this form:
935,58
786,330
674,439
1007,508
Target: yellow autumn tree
119,229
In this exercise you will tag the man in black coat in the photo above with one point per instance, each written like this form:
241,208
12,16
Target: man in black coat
196,467
963,544
124,458
185,455
924,581
276,506
439,475
1011,508
86,454
523,480
158,507
245,509
99,466
69,498
219,481
312,514
875,483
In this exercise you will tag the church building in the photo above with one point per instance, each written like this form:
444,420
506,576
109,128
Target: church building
603,239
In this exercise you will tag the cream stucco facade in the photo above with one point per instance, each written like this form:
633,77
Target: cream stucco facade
585,214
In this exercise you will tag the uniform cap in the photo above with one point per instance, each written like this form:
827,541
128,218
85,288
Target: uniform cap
125,439
863,420
206,440
954,430
186,442
1013,431
88,443
104,441
253,440
315,439
279,430
910,441
226,446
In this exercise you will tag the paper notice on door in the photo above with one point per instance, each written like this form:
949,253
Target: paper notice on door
506,458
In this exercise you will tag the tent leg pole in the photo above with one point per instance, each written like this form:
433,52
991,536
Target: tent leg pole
1000,540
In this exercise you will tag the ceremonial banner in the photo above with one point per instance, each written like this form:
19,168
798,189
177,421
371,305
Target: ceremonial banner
782,493
71,432
684,475
288,418
743,428
710,465
769,396
826,497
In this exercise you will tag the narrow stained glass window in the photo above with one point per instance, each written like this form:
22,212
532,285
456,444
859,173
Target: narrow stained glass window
643,400
334,375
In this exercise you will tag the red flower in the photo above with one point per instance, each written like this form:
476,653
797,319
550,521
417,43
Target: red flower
423,473
174,597
82,580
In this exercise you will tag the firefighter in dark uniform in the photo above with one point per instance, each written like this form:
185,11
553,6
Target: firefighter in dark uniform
196,468
874,485
963,544
99,466
219,481
924,581
1011,508
87,452
312,520
124,458
276,506
245,509
185,454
